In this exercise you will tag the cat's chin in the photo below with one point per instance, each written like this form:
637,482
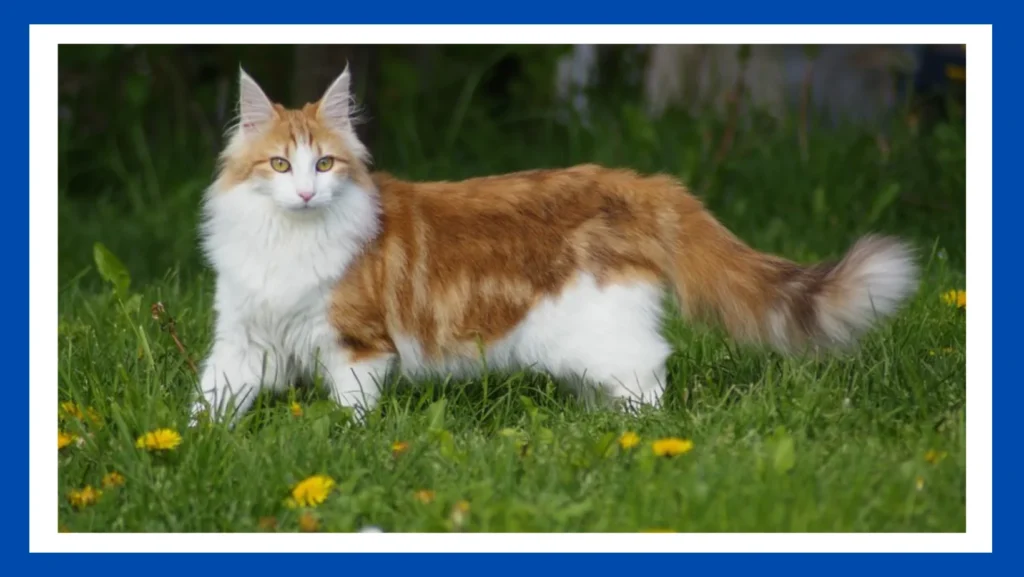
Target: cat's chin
302,209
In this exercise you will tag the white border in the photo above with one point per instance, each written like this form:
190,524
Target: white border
43,42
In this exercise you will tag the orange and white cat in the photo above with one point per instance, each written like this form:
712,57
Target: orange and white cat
324,267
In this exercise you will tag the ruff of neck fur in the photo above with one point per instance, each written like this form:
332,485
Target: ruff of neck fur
255,244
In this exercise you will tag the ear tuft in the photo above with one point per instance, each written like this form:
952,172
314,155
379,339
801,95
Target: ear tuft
254,108
337,110
335,105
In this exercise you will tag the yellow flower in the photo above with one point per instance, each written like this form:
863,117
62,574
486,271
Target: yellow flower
933,456
308,523
956,298
64,439
671,447
71,410
399,447
629,439
94,416
113,479
424,496
159,440
919,483
83,497
311,492
296,409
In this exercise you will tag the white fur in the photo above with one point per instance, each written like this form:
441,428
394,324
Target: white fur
591,336
275,272
882,281
872,282
605,336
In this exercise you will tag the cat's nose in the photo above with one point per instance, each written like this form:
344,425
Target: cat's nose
306,195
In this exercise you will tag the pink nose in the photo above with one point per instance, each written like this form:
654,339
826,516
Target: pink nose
305,196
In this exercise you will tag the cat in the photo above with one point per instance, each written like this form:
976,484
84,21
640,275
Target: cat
324,267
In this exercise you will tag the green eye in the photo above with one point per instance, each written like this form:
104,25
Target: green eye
325,164
279,164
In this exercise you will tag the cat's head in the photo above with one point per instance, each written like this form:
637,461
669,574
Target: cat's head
302,159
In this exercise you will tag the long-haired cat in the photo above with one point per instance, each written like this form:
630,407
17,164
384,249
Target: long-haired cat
324,267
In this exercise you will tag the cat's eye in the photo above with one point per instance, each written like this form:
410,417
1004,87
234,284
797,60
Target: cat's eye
325,164
279,164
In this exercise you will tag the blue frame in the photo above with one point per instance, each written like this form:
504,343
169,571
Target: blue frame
1006,247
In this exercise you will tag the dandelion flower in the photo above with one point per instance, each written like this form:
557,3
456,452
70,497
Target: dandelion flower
159,440
933,456
629,439
956,298
70,409
671,447
84,497
399,447
308,523
64,439
424,496
94,416
296,410
113,479
311,492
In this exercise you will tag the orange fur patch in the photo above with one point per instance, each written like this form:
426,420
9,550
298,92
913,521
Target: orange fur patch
458,262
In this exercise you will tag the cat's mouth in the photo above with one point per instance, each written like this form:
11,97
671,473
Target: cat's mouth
303,207
300,210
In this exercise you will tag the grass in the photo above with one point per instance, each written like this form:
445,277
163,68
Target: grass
779,444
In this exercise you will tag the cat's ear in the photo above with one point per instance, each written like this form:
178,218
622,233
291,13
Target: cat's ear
254,108
334,108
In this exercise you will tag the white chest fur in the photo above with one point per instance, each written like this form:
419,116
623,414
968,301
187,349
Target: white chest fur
276,270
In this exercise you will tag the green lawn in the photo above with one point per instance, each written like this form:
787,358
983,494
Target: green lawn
777,444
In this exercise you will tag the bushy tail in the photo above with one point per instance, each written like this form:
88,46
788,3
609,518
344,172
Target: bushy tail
765,299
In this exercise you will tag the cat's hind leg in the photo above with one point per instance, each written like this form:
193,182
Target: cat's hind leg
604,339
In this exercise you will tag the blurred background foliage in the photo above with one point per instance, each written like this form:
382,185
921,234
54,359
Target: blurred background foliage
141,127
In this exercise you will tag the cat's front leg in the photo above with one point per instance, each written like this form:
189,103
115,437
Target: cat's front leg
233,376
355,380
